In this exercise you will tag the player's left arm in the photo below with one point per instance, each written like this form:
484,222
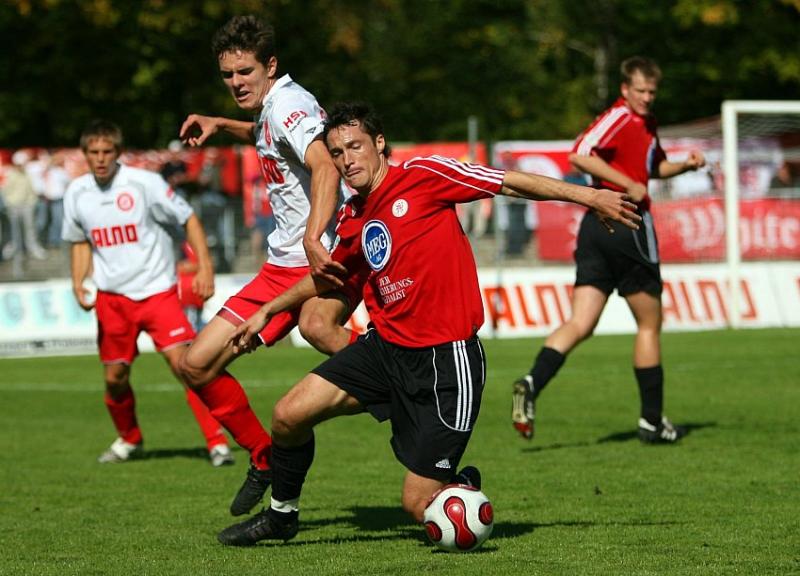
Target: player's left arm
203,282
607,203
324,199
667,169
244,338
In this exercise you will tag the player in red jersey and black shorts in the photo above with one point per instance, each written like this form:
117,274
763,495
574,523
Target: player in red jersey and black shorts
621,151
420,364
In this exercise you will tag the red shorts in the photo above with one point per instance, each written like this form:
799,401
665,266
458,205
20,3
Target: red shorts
270,282
120,320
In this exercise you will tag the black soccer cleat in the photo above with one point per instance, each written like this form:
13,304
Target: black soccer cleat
266,525
523,407
470,476
252,491
664,433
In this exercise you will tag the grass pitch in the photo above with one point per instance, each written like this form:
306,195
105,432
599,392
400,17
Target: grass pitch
584,497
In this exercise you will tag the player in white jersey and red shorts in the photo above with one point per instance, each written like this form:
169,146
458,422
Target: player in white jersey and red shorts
421,364
119,221
304,193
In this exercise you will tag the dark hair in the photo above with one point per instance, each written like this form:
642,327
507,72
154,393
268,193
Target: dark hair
245,33
101,129
647,67
355,114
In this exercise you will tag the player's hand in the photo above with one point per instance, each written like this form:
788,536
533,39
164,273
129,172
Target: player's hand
695,160
203,283
322,266
84,296
245,338
636,191
196,129
616,206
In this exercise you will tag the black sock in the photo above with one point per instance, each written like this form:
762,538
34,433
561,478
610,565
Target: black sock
289,469
548,363
651,392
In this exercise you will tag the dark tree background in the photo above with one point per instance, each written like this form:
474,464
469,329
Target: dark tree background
526,68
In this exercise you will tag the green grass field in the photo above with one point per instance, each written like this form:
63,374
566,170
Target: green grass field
583,498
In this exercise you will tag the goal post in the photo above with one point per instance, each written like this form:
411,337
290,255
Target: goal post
731,112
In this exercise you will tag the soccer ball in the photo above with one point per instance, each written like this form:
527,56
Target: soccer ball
459,518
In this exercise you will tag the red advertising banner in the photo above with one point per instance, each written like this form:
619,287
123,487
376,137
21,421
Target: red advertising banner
689,230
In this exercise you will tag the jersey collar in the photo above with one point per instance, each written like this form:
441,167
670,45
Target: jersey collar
279,83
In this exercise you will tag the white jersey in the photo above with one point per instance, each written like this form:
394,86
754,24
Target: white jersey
128,224
290,120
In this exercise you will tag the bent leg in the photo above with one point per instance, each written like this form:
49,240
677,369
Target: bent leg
321,320
417,492
121,403
209,426
587,306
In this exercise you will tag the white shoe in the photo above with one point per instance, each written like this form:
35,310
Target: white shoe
220,455
121,451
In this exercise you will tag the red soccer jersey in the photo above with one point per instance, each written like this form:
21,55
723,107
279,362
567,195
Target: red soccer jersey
405,245
627,141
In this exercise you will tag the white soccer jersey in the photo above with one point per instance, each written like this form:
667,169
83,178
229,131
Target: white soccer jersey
128,223
290,121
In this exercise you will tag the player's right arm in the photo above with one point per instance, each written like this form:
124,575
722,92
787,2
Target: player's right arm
196,129
80,268
602,170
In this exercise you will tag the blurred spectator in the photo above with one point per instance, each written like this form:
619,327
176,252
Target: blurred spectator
212,207
174,170
513,218
263,221
56,179
786,177
19,199
191,303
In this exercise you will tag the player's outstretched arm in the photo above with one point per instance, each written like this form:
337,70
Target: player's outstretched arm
324,198
244,337
609,205
203,283
602,170
694,161
80,268
196,129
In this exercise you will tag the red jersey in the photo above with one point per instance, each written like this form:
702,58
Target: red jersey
627,141
405,246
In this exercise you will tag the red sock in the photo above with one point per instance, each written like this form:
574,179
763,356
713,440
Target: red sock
228,403
123,414
211,429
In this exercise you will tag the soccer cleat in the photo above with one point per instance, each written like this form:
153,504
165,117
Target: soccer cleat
664,433
252,491
470,476
220,455
523,407
121,451
266,525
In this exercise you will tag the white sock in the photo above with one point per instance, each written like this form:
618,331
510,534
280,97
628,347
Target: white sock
286,506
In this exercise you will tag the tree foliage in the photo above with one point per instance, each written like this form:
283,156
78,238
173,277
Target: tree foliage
525,68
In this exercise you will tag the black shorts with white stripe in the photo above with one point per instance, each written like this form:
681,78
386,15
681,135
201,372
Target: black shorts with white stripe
432,396
626,260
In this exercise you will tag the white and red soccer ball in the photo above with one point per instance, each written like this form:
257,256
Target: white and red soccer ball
459,518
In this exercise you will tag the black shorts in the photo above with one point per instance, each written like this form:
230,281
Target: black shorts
626,260
431,396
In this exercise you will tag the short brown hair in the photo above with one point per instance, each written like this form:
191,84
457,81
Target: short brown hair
645,66
245,33
101,129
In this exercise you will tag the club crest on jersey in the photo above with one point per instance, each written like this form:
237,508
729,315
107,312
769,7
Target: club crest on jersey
125,202
376,242
399,208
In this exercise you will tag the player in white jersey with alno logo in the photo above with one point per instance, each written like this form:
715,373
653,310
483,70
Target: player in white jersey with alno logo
117,219
304,192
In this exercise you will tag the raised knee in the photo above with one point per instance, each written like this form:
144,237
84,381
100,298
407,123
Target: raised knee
193,376
315,330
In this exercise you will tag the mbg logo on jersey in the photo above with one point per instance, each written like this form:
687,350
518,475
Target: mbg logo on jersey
125,202
376,242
